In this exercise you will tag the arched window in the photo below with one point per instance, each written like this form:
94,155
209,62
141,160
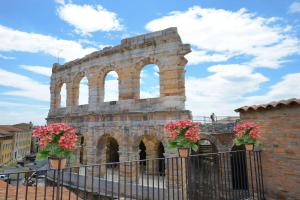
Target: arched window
83,91
149,82
111,87
63,96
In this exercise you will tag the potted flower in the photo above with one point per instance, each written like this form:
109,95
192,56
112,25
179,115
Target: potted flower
184,136
246,134
57,142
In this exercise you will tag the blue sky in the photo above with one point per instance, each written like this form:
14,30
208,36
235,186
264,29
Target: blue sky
244,52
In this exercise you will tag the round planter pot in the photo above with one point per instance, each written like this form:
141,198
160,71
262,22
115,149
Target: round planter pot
249,147
57,163
184,152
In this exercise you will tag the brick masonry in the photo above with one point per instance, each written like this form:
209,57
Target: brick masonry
281,148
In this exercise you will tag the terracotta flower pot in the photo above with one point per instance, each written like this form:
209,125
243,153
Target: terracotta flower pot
57,163
249,147
184,152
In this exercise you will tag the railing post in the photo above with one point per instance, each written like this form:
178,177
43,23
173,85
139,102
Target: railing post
176,173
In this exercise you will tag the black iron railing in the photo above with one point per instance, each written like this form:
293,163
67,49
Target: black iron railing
223,176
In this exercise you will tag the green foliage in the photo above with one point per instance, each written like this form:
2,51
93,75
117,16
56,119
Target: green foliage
182,142
53,150
245,139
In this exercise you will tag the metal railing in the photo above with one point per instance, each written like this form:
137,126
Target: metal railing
215,176
216,119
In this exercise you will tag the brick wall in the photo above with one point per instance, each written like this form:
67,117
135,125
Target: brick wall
281,149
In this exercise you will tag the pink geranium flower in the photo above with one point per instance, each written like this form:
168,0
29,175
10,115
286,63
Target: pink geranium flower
56,138
183,133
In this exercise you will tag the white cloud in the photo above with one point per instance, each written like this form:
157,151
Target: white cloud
6,57
111,88
223,90
151,92
12,113
24,86
287,87
63,96
83,92
201,56
294,7
218,35
61,2
15,40
88,19
46,71
156,70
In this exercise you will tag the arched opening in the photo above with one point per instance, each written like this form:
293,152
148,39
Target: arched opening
142,154
83,92
207,149
238,162
107,149
205,164
111,87
161,161
149,81
112,151
63,96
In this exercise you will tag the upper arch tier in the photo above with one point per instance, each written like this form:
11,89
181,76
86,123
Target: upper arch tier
163,48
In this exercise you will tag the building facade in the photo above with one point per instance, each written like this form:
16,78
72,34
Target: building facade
120,130
6,147
22,135
280,141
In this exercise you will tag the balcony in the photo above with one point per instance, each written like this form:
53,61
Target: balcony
214,176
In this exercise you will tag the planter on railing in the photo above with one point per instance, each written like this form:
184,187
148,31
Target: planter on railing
57,163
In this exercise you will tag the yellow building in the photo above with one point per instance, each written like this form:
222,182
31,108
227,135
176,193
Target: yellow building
21,139
6,147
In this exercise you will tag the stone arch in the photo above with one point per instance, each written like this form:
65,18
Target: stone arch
112,88
107,149
149,82
57,92
206,146
152,145
75,87
145,61
138,68
101,81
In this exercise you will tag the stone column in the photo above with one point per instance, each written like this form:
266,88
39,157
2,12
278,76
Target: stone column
152,162
129,165
70,97
172,81
176,173
93,93
126,85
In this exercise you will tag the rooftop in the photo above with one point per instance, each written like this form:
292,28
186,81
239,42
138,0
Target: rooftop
31,192
273,104
10,128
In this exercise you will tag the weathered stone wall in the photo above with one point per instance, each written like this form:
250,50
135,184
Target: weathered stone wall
129,120
281,149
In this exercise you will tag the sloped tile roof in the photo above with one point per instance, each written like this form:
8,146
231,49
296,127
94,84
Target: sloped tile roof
272,104
10,128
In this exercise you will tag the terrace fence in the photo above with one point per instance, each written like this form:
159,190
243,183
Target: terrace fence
234,175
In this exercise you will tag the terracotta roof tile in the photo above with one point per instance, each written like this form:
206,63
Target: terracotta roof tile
272,104
31,192
10,128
